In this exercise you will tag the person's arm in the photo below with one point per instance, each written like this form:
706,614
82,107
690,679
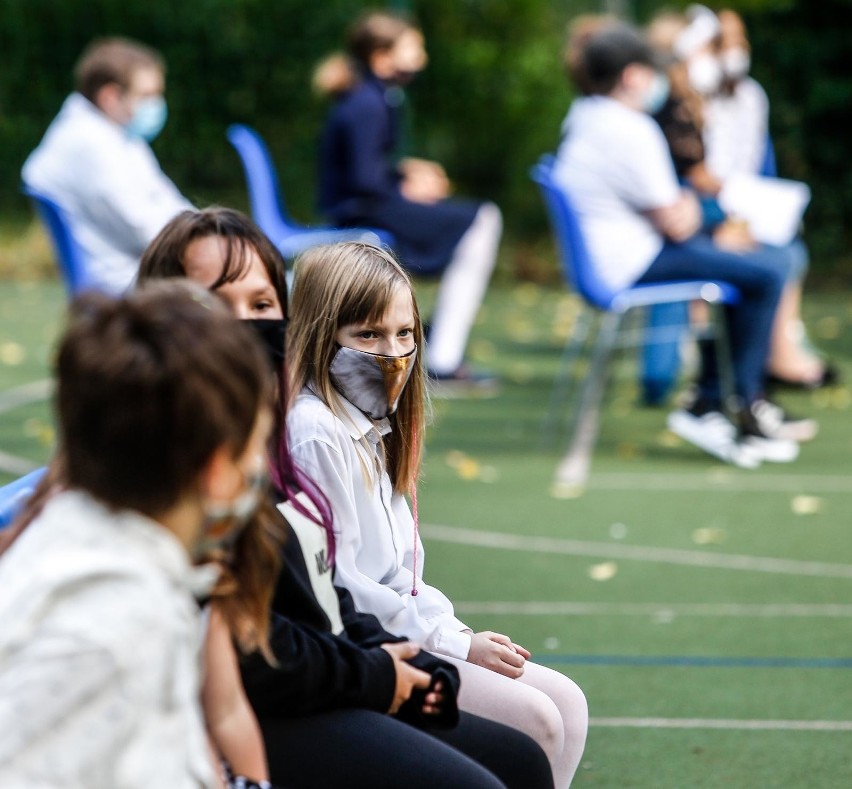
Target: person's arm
232,725
426,618
317,671
677,221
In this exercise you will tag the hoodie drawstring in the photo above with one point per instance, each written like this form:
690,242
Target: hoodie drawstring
416,522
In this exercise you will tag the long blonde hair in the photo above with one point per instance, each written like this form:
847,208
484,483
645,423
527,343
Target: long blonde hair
340,284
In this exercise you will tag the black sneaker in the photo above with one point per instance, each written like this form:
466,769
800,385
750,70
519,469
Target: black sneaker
704,425
753,425
775,422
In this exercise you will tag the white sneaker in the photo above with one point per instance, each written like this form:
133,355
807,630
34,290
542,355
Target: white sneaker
773,450
715,434
774,422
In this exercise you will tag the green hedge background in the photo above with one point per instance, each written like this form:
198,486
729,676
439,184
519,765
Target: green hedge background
489,104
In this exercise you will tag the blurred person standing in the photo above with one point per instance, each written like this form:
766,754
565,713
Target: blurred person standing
95,160
362,182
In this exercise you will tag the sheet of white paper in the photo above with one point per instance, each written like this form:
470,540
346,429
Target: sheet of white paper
773,207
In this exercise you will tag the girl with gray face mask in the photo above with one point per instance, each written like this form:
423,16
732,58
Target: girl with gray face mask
356,426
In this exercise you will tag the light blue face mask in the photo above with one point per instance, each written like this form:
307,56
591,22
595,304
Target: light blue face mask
657,94
149,117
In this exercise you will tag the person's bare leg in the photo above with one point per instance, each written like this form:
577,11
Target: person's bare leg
788,358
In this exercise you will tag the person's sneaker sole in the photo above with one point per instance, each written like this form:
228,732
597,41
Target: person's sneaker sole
772,450
715,435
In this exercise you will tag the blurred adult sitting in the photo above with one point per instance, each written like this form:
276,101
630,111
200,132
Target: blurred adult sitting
362,182
737,113
96,162
642,227
700,46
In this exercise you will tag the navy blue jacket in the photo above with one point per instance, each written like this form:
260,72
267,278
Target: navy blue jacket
359,182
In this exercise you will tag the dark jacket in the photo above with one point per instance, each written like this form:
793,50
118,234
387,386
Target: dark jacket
359,182
319,671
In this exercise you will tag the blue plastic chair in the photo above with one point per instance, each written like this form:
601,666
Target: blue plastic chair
268,208
610,306
70,257
14,495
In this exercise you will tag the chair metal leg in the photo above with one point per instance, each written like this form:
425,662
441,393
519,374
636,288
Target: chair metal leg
566,374
724,362
573,471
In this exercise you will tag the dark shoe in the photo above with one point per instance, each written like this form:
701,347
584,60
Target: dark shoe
830,377
463,382
760,433
775,422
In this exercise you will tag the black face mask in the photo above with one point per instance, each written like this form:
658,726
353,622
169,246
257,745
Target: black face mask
271,333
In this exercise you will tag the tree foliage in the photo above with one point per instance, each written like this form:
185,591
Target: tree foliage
490,103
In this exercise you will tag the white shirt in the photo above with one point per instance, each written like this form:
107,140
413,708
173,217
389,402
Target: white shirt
736,130
99,654
112,188
374,529
614,164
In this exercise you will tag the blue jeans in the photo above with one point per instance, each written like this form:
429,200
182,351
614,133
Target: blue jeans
760,282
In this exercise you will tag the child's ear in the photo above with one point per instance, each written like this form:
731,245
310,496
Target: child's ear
220,479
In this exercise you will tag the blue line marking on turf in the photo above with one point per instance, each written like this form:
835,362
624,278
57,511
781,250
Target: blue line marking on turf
698,661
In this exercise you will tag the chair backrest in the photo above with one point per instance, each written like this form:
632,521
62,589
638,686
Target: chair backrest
577,264
70,257
14,495
769,166
265,199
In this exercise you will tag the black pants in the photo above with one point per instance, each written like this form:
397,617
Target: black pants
360,748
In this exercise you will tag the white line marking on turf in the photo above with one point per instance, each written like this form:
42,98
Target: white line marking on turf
640,553
720,723
567,608
12,464
723,480
24,394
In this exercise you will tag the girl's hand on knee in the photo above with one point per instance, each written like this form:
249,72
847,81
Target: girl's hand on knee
434,700
496,652
407,677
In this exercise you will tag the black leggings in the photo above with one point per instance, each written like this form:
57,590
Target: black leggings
360,748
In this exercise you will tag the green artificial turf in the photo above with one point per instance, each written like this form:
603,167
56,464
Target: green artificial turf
655,621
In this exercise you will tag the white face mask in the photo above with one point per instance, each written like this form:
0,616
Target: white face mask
657,93
736,63
224,521
705,74
371,382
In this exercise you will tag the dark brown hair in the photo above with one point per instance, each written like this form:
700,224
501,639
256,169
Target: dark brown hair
373,31
148,387
165,254
113,60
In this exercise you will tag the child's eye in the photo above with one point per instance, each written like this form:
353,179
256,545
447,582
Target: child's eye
406,332
367,334
262,306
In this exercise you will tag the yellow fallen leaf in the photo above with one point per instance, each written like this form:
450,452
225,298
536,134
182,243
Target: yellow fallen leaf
806,505
603,571
563,490
828,328
709,535
468,469
12,353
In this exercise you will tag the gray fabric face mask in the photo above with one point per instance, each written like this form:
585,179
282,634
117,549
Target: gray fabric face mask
371,382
